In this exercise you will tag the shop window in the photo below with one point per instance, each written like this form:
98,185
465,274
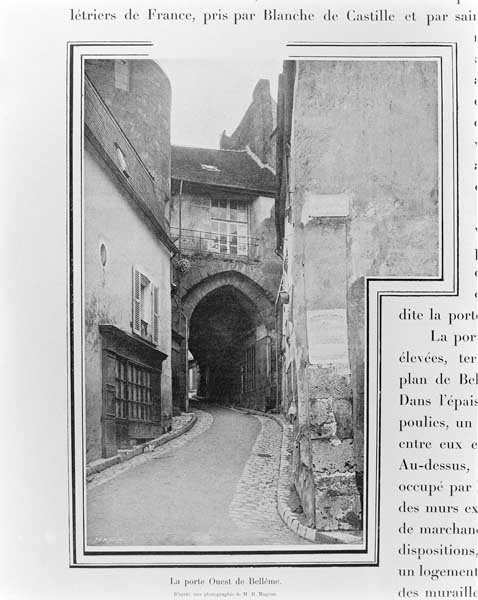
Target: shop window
133,397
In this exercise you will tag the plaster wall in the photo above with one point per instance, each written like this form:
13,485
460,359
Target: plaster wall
366,132
143,112
364,179
111,218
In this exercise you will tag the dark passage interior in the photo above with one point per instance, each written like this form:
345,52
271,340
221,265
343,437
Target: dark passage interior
222,329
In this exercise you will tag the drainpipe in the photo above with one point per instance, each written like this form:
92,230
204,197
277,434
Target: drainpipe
186,339
278,350
180,198
186,386
278,367
180,310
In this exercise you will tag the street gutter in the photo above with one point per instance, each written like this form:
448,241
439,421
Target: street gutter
104,463
287,515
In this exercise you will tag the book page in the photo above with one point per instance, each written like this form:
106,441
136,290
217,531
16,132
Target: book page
244,362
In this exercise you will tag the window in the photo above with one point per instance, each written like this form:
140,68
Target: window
229,210
249,370
210,168
103,255
121,160
133,398
145,307
122,75
229,227
200,202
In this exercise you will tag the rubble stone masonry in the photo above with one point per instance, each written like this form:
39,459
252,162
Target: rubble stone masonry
363,183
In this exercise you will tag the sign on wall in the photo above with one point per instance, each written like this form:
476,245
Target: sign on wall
327,337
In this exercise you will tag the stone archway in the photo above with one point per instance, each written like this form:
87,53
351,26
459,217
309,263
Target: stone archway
231,334
253,292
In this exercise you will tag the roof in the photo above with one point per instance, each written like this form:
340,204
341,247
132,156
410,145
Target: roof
238,169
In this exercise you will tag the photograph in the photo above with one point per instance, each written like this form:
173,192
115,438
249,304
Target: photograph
243,365
231,215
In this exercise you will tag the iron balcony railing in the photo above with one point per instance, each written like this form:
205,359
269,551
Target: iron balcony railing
192,241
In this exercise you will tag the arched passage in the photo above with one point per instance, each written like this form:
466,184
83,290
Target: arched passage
262,302
232,339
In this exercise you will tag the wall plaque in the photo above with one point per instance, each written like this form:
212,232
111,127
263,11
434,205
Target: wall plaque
327,337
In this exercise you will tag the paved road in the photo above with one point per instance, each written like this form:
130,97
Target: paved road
197,493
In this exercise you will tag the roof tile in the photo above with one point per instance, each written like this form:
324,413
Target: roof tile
223,168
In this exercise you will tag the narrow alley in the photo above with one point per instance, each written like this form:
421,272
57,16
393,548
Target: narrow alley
230,271
215,485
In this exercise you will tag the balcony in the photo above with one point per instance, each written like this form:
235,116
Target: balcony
144,329
193,242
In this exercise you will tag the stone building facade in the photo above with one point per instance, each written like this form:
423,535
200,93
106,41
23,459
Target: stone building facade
127,254
357,169
226,275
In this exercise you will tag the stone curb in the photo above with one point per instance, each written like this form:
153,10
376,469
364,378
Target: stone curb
284,510
121,458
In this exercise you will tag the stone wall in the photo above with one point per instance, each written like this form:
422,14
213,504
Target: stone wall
378,152
255,129
142,111
364,186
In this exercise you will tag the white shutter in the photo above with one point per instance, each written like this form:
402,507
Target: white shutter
136,301
155,323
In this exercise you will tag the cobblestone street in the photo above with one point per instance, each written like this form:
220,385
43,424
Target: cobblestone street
254,507
214,485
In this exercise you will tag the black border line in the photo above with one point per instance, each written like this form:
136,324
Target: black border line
71,429
405,279
70,92
369,45
455,230
82,57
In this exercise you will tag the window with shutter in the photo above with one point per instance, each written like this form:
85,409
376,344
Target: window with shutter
145,319
137,309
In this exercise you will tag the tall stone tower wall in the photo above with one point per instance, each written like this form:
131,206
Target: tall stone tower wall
256,128
138,93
